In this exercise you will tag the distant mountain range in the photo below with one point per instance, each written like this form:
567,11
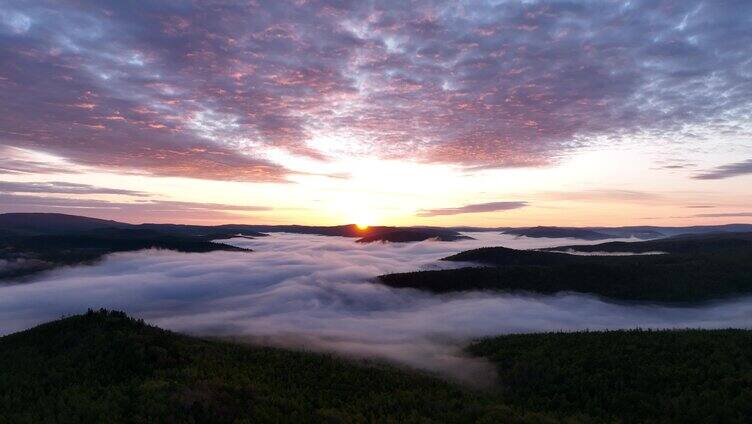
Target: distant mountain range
35,242
603,233
32,243
55,223
561,232
24,224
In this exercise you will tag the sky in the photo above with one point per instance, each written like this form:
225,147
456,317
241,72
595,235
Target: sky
483,113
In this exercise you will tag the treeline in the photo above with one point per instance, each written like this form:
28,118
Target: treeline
25,255
685,376
106,367
682,244
698,269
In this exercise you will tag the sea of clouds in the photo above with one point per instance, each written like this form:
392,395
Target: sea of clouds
319,293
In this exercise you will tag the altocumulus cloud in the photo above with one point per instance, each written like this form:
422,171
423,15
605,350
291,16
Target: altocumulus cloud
198,90
317,293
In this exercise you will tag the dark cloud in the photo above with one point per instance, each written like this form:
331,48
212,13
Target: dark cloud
700,206
727,171
202,89
476,208
58,187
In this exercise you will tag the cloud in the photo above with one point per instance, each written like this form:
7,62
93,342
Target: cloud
727,171
145,209
604,195
195,90
68,197
723,215
673,164
707,215
476,208
58,187
317,292
19,161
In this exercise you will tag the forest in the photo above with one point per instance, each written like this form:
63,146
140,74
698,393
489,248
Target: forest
31,243
103,366
25,255
680,376
690,269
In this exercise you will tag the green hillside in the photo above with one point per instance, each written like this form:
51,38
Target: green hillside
694,269
686,376
106,367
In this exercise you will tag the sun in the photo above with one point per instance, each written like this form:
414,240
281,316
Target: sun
363,219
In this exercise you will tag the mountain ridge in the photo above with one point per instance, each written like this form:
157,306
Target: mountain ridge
9,220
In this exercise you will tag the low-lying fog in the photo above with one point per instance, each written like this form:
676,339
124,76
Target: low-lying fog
318,293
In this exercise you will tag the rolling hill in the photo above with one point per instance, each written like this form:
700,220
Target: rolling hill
23,256
103,366
106,367
693,268
558,232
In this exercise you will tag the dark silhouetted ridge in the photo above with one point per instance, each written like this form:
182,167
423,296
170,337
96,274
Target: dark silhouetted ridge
412,235
52,223
558,232
105,367
693,268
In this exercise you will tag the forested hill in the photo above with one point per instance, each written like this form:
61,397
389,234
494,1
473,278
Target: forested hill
724,243
411,235
26,255
54,223
690,269
635,376
105,367
559,232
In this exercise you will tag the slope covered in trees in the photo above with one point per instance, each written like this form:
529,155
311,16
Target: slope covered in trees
54,223
405,236
25,255
558,232
685,376
106,367
682,244
693,269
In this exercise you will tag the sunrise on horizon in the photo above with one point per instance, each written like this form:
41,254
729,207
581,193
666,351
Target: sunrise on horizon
376,211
